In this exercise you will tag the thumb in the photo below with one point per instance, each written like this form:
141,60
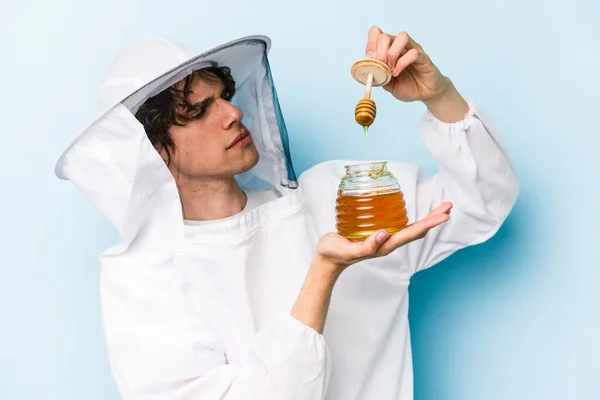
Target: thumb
371,244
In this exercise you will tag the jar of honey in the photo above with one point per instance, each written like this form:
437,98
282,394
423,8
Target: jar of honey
369,199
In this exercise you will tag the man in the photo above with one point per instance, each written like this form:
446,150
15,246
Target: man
227,282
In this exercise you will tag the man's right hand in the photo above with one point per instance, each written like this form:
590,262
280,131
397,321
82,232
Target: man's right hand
335,253
338,252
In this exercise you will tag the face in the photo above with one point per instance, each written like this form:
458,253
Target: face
216,144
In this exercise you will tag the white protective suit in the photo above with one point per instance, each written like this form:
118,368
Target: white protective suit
202,312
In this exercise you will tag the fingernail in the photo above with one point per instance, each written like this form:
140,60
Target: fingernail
370,54
381,236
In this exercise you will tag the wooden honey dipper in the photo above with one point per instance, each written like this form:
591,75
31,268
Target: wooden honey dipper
370,73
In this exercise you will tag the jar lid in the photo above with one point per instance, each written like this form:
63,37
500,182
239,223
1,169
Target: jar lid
367,179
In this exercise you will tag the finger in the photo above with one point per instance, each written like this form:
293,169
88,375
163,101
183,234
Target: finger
384,41
410,57
398,48
443,208
413,232
419,229
371,49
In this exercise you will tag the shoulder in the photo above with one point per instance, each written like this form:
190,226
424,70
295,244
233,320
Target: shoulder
259,197
327,169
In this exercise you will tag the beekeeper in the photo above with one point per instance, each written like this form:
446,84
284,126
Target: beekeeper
227,282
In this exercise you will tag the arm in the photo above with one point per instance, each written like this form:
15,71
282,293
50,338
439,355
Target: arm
312,303
475,172
161,347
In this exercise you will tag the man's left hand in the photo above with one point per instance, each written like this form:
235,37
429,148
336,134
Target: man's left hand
414,76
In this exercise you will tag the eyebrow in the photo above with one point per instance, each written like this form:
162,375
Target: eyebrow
204,102
208,100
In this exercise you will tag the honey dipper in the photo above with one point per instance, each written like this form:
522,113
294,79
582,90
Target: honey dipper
370,73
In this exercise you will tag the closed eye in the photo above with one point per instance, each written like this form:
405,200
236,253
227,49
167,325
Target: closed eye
199,109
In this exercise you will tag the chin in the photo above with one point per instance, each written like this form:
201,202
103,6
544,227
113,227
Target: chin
252,159
249,159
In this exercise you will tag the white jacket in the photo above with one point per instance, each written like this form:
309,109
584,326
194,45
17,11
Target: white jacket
202,312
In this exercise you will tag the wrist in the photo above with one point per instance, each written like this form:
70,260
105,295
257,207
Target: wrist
312,303
326,268
447,106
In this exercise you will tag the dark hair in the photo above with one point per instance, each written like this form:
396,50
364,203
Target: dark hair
173,107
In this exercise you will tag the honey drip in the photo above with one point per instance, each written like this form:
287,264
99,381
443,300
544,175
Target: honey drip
366,132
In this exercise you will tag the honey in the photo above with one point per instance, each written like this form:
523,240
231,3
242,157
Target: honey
360,216
369,198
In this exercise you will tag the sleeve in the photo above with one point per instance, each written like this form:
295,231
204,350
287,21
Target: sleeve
159,347
475,174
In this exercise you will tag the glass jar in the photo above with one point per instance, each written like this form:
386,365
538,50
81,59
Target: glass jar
369,199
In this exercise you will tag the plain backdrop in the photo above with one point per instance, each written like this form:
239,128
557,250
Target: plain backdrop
515,318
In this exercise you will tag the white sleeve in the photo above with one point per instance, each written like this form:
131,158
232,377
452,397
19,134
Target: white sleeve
160,348
475,174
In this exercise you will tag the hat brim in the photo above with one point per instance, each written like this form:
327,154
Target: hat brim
211,57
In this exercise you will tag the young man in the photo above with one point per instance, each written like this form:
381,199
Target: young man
222,286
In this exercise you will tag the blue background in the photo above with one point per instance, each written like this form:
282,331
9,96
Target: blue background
515,318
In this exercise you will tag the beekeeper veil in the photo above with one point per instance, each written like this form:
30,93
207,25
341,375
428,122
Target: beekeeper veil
116,167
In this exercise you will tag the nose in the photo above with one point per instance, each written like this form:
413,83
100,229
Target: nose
232,114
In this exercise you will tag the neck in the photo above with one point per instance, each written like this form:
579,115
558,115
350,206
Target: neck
212,199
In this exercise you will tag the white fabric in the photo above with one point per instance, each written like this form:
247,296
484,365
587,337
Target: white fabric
115,166
203,313
254,198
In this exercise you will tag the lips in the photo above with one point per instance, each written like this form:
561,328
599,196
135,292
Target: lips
242,140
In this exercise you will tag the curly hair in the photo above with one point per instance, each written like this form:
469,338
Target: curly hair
172,106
